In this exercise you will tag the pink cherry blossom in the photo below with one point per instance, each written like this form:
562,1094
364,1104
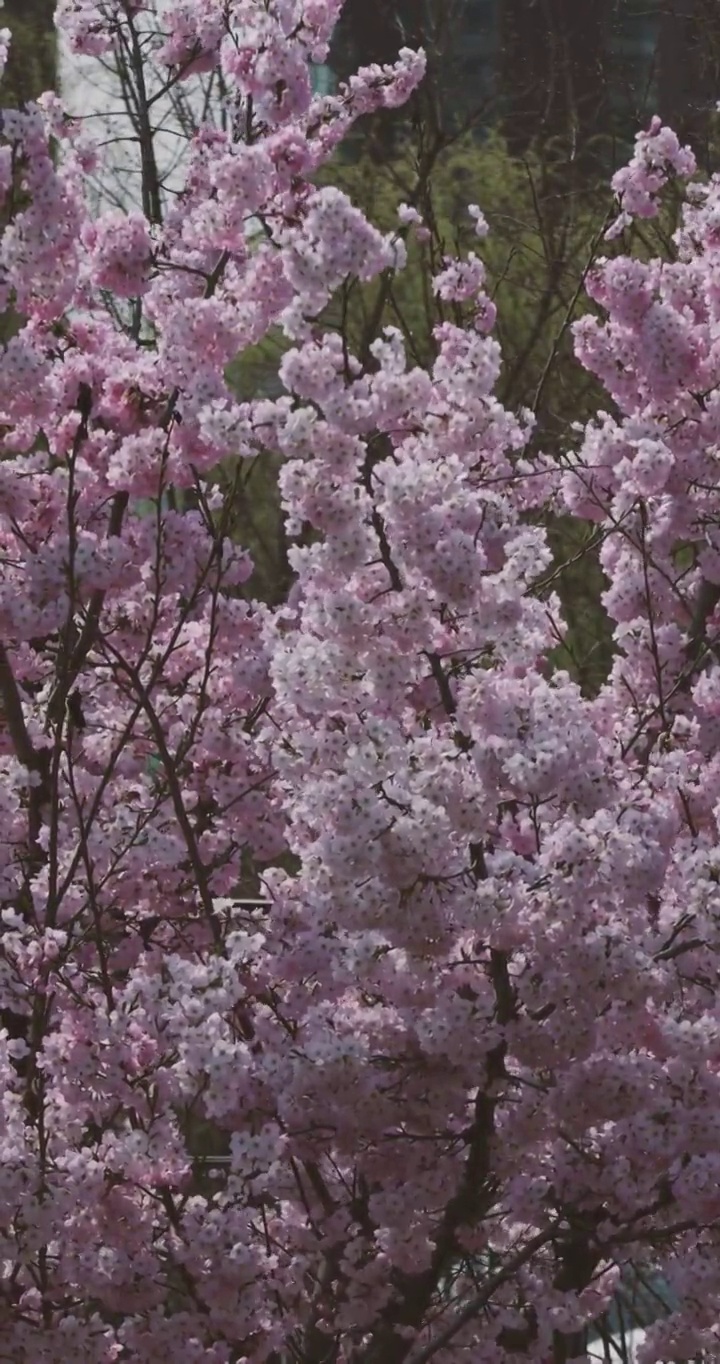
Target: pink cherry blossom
358,970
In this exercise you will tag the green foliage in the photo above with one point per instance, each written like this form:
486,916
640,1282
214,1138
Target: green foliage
31,69
32,64
543,235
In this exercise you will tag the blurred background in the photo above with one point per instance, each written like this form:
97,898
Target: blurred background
585,71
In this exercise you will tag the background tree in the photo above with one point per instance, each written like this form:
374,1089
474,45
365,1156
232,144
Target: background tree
32,62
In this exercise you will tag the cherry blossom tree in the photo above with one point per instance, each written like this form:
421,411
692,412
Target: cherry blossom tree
457,1069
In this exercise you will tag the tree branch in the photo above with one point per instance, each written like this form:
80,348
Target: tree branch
14,714
476,1304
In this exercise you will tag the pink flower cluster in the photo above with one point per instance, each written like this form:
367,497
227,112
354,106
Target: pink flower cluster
120,251
657,156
